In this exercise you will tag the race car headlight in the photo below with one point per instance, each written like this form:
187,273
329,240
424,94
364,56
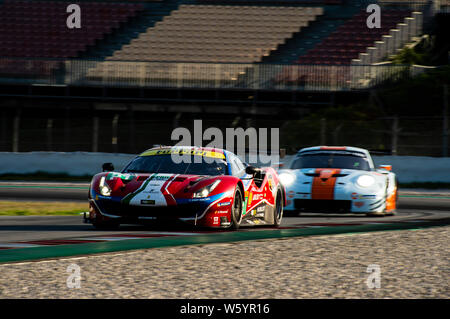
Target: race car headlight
105,190
286,179
205,191
365,181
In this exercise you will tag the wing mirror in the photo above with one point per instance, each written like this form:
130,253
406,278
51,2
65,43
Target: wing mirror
385,167
108,167
251,170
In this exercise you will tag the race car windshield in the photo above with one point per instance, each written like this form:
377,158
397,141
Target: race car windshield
163,164
332,160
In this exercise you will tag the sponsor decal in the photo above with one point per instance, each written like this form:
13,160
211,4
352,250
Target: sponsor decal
354,195
125,177
147,202
203,199
358,204
260,208
224,204
152,190
216,220
183,151
257,196
161,177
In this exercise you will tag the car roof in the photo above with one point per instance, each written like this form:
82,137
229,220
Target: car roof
334,148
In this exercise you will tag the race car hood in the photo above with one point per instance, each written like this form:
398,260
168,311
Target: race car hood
151,189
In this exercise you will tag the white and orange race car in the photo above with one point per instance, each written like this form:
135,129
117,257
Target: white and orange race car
332,179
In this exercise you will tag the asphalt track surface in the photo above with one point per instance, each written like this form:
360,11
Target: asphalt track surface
412,206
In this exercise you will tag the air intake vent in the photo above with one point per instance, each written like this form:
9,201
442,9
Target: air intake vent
339,175
317,175
312,174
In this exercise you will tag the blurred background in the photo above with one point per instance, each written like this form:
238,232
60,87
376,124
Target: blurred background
136,70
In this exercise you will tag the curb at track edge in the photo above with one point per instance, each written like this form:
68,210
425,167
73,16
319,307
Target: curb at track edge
39,253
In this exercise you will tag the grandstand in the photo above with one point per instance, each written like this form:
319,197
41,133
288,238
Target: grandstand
176,43
208,34
38,29
202,54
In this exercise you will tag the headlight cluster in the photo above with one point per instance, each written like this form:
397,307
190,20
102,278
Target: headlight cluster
286,178
365,181
105,190
205,191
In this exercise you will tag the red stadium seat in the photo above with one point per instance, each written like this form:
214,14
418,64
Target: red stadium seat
26,27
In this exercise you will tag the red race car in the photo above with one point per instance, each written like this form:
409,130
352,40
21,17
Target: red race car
213,188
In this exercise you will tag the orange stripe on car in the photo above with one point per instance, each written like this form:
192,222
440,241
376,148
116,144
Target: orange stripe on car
323,185
333,148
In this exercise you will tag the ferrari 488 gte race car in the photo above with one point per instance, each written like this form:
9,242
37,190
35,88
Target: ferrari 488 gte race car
338,180
212,188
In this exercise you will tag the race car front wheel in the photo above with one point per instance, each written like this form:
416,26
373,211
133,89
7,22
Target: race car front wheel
236,209
278,211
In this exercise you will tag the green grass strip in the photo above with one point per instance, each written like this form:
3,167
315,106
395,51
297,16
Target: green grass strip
22,254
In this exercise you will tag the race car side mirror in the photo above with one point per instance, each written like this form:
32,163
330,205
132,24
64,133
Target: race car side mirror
385,167
251,170
108,167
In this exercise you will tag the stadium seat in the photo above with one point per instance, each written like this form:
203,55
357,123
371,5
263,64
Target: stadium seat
29,28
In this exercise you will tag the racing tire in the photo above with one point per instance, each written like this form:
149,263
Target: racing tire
236,209
278,211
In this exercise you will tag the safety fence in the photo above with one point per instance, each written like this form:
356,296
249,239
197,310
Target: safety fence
199,75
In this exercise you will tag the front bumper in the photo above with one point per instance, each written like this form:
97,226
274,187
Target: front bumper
351,204
194,214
